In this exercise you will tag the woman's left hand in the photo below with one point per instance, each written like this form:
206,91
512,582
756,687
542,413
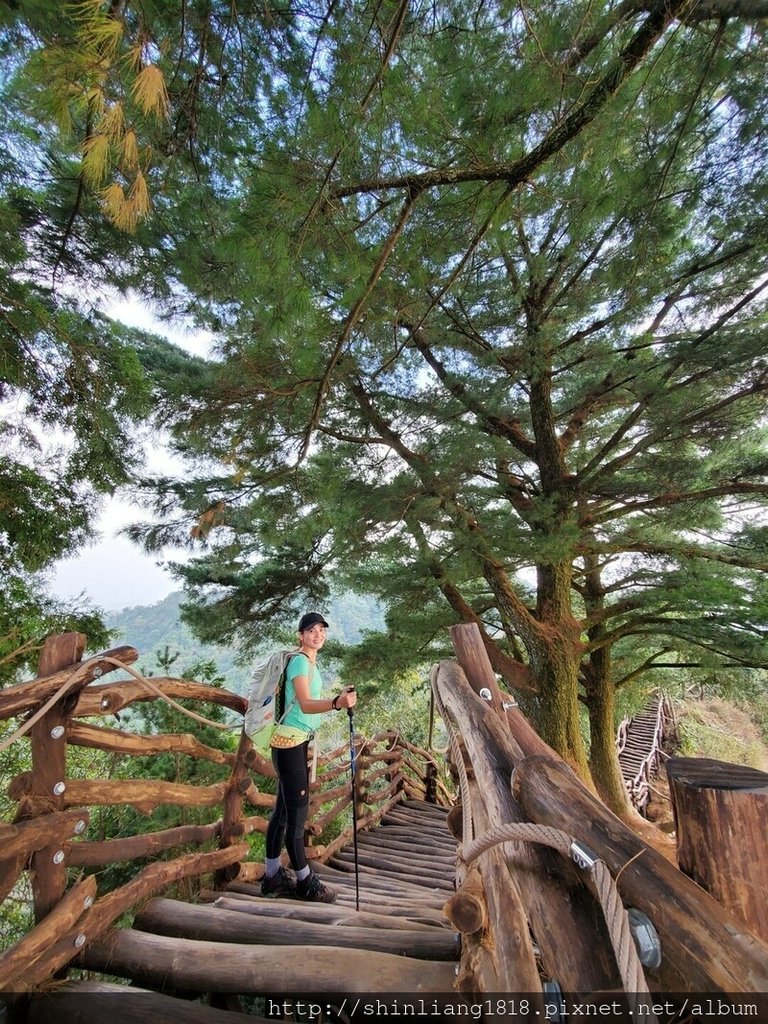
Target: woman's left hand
347,698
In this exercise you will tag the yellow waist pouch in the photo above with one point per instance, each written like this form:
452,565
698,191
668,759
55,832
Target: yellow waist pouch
288,736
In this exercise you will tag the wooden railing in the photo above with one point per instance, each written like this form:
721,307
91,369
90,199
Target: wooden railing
525,912
49,835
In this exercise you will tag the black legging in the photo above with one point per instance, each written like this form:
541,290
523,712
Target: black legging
290,814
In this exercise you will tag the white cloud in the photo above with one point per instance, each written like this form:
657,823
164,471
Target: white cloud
113,572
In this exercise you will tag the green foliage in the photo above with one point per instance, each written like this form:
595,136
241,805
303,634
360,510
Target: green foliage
490,317
28,616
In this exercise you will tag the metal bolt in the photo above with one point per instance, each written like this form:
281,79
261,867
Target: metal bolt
80,827
97,672
485,693
59,788
87,902
57,732
105,702
80,940
58,857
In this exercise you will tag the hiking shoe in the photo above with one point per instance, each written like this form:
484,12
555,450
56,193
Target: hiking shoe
280,884
312,890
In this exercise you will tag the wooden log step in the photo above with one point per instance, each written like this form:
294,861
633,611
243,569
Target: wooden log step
397,890
415,809
190,965
382,894
426,808
398,845
331,914
93,1002
396,816
423,910
377,866
399,811
433,835
397,860
164,916
424,842
441,843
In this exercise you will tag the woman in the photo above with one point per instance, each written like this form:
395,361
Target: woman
305,705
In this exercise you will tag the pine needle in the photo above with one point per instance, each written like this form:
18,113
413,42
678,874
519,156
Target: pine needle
130,151
95,158
113,203
149,91
113,122
138,198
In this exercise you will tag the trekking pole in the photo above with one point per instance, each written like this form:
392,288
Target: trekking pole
353,772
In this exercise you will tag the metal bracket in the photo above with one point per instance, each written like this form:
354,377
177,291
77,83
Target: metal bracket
583,856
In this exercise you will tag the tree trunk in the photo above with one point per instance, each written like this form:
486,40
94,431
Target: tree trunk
720,816
601,700
603,756
555,662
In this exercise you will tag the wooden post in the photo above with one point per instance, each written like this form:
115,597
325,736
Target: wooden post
524,875
720,815
48,739
232,826
473,659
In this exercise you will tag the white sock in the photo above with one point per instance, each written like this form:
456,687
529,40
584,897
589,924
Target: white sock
303,873
272,866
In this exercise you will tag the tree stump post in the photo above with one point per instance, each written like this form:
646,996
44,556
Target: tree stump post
720,814
48,741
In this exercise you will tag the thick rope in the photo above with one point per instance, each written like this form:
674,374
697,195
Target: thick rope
616,918
169,700
81,670
627,959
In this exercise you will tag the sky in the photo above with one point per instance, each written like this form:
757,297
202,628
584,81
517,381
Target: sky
113,572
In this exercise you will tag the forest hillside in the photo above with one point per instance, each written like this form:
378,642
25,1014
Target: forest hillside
711,725
158,632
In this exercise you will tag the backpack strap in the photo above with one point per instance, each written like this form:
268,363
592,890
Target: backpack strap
281,708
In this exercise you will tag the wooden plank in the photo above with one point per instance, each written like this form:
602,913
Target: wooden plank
21,697
105,911
16,961
191,965
332,914
94,1002
96,737
184,920
111,851
113,697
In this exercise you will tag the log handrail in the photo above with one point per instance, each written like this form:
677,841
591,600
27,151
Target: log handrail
53,813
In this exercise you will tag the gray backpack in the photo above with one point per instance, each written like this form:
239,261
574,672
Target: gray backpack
266,684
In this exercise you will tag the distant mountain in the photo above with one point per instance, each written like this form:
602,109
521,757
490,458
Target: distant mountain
157,630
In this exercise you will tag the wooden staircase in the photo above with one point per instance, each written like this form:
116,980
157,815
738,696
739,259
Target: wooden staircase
640,742
397,941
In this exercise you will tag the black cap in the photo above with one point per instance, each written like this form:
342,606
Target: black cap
311,619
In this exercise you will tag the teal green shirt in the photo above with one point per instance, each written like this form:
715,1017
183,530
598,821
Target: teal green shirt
300,665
